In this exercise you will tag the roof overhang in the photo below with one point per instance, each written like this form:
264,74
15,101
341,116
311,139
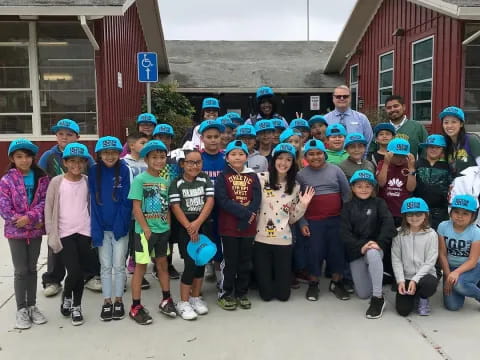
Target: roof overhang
252,90
449,9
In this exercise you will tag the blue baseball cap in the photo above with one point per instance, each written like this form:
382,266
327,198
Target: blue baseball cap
211,124
384,126
336,129
201,251
278,124
236,118
76,150
355,138
453,111
315,144
363,175
466,202
435,140
264,91
147,118
226,121
299,124
210,103
22,144
108,143
236,144
414,204
264,125
317,119
399,146
165,129
285,148
245,130
66,124
285,135
152,145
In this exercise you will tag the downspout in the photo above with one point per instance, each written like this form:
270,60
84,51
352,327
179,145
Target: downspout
88,32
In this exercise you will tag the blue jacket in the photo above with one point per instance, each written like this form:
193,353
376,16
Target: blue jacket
108,214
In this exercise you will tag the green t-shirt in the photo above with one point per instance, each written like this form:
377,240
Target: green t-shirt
336,157
152,191
414,132
191,195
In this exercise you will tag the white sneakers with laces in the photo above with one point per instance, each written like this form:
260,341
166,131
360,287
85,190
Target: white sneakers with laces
198,305
186,311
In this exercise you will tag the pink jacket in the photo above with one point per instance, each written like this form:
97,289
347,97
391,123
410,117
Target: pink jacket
14,204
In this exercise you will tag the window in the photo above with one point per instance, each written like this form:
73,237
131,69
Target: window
422,79
472,78
385,78
354,86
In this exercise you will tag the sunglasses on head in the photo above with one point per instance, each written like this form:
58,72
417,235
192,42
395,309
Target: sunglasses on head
341,97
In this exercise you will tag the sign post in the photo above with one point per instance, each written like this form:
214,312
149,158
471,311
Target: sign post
147,69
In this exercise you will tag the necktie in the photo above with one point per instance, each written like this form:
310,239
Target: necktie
342,118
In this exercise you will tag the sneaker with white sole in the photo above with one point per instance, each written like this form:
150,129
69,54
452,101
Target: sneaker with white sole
77,317
167,307
52,289
36,316
198,305
423,308
23,321
186,311
94,284
66,306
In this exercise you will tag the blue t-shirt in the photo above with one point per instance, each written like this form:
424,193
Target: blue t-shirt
213,165
29,181
458,244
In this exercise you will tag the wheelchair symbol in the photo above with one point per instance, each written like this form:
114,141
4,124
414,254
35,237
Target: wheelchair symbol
146,63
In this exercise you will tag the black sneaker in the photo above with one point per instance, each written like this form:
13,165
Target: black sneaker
339,290
173,273
375,310
313,291
167,307
77,317
348,285
118,311
145,284
140,315
107,312
66,306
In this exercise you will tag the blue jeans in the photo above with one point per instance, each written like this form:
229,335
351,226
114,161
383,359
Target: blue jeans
466,286
112,256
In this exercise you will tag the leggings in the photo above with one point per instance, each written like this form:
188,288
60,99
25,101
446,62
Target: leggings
367,273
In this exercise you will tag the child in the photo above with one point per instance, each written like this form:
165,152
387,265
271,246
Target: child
303,127
22,201
367,229
146,123
265,131
459,251
434,179
355,145
238,195
149,192
322,219
336,134
318,126
111,212
273,243
414,254
248,135
384,133
293,137
227,136
191,201
279,126
67,222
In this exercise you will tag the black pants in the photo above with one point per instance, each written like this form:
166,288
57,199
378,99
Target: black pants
272,270
76,254
237,263
55,269
426,287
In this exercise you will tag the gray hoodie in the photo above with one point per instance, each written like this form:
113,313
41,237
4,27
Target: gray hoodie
257,162
414,255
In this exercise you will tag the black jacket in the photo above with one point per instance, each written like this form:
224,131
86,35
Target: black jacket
363,221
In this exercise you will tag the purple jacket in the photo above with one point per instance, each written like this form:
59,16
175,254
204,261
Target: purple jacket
14,204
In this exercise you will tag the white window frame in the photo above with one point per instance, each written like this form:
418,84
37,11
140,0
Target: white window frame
422,81
354,85
380,72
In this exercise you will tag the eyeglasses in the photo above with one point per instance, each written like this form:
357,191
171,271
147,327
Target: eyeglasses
192,163
416,214
343,97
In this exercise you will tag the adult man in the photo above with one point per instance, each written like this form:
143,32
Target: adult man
352,120
410,130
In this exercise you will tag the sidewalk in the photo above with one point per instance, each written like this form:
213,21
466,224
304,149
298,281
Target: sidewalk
297,329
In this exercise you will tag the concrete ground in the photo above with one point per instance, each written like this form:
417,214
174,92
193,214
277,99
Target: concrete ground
298,329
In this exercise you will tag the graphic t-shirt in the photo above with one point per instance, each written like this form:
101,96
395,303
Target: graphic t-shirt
191,195
171,170
29,181
395,190
213,164
336,157
152,191
458,244
465,156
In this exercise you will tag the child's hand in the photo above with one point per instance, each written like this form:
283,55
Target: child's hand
401,288
148,233
450,282
22,221
252,218
412,287
39,226
305,230
387,158
365,248
194,237
299,115
374,245
411,162
194,227
307,196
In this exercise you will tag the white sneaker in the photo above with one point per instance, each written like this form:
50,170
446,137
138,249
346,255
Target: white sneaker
36,316
23,319
198,305
186,311
52,290
94,284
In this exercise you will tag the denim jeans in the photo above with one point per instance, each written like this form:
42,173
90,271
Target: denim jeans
112,255
466,286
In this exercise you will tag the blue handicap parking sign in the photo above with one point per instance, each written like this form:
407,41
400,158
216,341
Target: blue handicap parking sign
147,67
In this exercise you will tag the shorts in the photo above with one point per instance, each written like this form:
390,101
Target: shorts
155,247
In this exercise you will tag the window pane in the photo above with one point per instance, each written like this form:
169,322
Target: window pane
14,78
386,62
472,78
422,112
422,71
15,102
471,29
74,101
386,79
15,124
354,74
14,71
472,99
14,56
353,96
384,94
422,91
422,50
13,31
86,121
67,78
472,117
472,56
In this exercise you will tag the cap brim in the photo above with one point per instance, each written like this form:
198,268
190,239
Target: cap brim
449,113
56,128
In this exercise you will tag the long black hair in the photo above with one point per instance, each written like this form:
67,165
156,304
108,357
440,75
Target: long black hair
273,175
98,178
451,147
272,101
37,171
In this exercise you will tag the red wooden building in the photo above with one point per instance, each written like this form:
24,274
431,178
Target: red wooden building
426,51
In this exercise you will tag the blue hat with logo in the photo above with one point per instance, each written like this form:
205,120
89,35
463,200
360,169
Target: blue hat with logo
264,91
236,118
76,150
245,130
147,118
315,144
226,121
435,140
66,124
317,119
354,138
466,202
336,129
264,125
384,126
399,146
152,145
211,124
22,144
363,175
164,129
285,148
299,124
108,143
210,103
236,144
285,135
201,251
453,111
414,204
278,124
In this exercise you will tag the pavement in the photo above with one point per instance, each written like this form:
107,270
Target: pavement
297,329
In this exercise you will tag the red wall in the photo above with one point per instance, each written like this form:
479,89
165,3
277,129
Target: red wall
418,23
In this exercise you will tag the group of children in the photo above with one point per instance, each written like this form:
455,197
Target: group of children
261,202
